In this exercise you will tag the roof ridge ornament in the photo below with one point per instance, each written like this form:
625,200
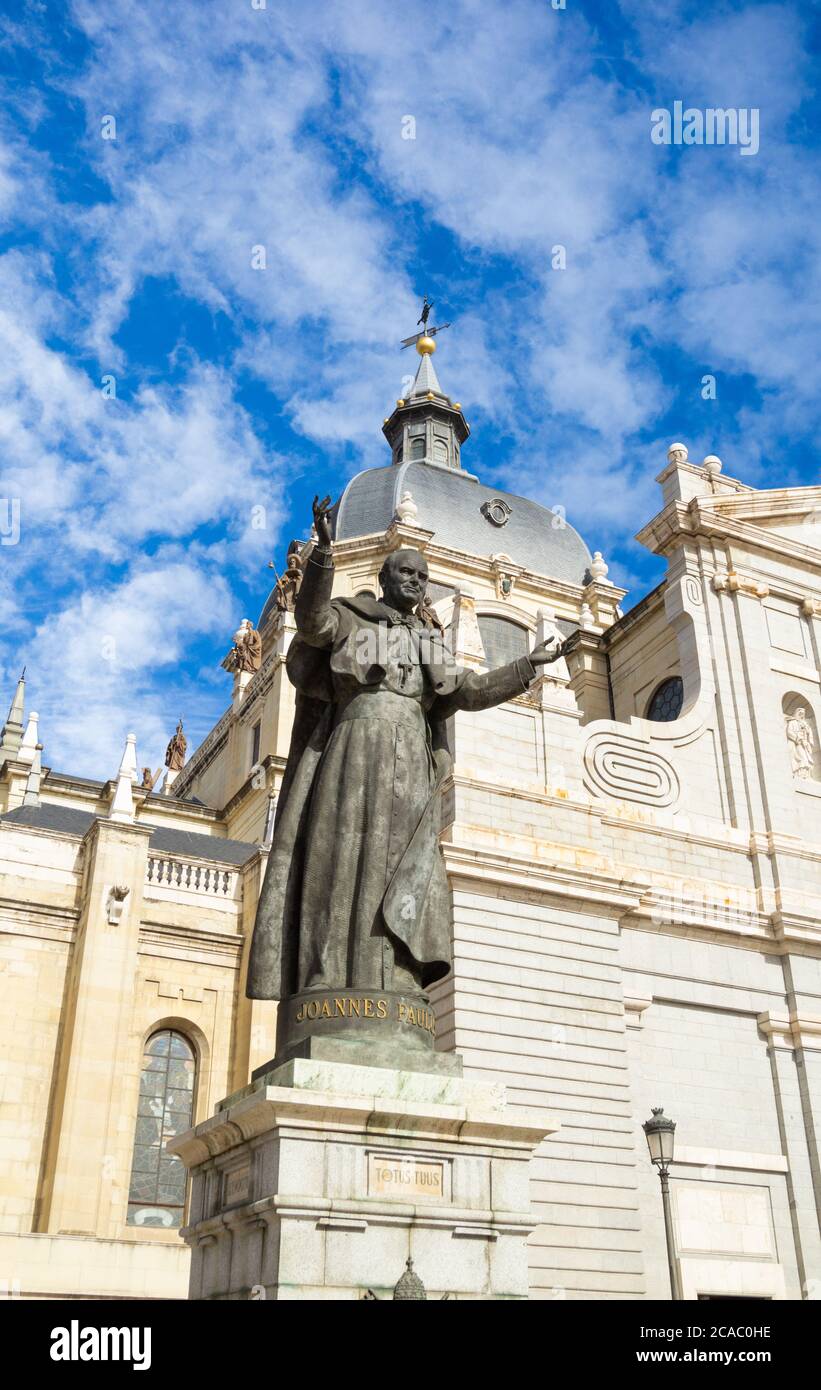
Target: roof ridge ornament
11,733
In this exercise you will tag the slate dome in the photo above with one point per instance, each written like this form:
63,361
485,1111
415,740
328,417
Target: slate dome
426,432
450,503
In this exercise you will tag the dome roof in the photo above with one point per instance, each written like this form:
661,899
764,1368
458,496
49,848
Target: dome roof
425,428
450,504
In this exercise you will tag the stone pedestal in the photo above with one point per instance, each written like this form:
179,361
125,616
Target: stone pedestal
368,1028
319,1179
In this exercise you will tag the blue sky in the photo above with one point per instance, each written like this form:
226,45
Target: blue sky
239,389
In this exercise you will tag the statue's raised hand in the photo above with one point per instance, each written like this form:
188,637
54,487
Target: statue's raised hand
547,652
321,522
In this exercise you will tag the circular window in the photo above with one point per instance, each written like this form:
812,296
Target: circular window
667,701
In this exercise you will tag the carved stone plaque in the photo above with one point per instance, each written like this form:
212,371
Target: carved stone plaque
403,1177
236,1186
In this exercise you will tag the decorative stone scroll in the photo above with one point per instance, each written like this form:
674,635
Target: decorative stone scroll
627,770
692,588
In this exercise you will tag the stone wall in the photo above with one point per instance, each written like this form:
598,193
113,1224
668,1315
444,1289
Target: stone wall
536,1004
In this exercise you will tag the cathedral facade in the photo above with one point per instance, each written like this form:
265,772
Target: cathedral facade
633,847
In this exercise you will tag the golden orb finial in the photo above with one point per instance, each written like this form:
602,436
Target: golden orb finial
425,345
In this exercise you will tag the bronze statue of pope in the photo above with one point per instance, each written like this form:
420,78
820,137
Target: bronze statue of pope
355,892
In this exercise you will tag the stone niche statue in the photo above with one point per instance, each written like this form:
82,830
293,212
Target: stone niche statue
288,584
175,752
354,917
429,616
802,744
246,653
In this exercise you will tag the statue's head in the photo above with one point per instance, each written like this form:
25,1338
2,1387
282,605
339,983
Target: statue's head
800,712
404,579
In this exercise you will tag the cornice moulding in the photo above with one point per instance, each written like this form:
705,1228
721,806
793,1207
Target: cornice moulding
560,880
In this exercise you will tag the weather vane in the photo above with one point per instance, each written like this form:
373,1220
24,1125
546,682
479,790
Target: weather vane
424,341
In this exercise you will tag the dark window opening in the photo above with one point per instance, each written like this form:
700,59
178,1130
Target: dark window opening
667,701
502,639
156,1195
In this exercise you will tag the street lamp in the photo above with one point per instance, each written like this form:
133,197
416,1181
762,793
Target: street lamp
661,1138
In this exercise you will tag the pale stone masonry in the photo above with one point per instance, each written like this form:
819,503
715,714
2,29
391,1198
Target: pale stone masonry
310,1183
636,902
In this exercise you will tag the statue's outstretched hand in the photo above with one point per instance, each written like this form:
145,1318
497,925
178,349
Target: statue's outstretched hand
547,652
321,522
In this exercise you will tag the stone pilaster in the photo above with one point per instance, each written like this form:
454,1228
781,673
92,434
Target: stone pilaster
88,1155
794,1049
589,681
466,639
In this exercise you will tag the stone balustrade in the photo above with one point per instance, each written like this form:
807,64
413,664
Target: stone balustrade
164,870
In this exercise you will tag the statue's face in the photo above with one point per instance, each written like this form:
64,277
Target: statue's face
404,579
800,712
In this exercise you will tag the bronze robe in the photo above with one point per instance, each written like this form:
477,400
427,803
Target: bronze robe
355,893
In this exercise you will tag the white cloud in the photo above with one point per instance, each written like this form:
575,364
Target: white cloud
96,480
95,664
283,128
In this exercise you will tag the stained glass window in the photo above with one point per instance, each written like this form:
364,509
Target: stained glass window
667,701
156,1196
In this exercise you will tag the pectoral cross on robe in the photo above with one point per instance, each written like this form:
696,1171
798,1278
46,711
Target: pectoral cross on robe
403,662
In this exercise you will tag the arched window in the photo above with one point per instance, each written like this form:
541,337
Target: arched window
417,447
667,701
502,639
156,1196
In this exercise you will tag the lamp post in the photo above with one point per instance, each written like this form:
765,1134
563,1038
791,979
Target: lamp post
661,1138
